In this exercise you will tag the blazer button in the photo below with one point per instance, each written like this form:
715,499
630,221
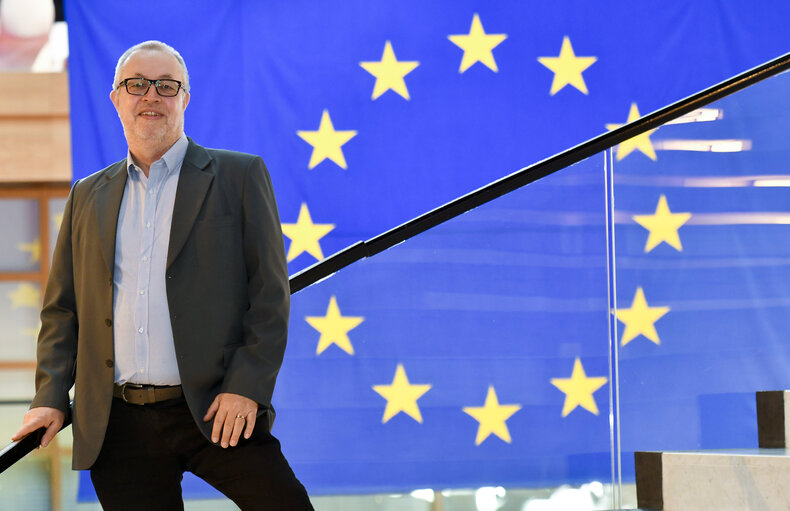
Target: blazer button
109,363
108,322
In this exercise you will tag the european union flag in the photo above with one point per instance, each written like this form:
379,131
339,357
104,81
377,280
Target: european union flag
701,207
478,352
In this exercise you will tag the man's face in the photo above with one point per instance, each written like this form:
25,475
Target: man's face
151,121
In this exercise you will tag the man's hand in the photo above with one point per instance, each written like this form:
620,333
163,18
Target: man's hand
231,412
41,417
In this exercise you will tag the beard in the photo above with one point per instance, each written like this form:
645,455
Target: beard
155,135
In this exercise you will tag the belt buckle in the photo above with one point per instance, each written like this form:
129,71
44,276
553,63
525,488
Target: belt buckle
125,386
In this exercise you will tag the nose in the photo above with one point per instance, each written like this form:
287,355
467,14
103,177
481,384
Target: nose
151,94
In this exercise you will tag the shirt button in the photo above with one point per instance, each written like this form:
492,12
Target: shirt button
108,363
145,258
142,291
140,330
148,225
108,322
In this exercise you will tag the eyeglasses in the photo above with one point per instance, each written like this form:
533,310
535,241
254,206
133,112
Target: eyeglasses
140,86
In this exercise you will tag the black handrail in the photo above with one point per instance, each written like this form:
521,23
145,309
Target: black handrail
507,184
15,451
362,249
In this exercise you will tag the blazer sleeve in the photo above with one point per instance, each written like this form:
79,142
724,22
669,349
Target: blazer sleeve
57,341
253,369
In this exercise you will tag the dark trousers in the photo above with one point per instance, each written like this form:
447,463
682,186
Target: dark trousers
147,448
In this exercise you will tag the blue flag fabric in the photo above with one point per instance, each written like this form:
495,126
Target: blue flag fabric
478,352
702,284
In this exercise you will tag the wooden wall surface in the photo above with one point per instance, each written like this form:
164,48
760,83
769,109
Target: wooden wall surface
35,136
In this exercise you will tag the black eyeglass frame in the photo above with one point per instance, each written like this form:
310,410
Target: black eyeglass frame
155,83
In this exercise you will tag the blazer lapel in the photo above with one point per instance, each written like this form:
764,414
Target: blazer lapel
108,204
193,184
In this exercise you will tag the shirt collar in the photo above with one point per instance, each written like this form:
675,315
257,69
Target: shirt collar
173,158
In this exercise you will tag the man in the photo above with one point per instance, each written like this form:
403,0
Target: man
167,309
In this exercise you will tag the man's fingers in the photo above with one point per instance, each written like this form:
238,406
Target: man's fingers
238,427
49,435
52,430
211,410
219,420
52,427
227,428
25,430
250,425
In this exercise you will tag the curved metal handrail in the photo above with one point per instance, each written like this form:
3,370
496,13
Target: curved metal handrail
452,209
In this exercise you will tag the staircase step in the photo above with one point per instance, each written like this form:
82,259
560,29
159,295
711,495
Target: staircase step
773,413
743,479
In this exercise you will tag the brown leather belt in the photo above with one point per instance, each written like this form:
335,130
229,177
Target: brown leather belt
136,394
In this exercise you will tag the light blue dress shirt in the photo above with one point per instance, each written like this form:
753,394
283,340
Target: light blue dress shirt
144,350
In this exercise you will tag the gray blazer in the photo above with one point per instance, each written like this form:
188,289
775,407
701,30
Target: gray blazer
227,290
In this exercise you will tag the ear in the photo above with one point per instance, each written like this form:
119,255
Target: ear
114,98
186,99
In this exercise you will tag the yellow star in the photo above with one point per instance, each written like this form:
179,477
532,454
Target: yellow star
334,328
640,319
401,396
641,142
57,218
304,235
327,142
25,295
478,46
567,68
492,417
389,73
34,248
579,389
663,226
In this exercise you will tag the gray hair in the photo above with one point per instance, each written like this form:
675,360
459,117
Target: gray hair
150,46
